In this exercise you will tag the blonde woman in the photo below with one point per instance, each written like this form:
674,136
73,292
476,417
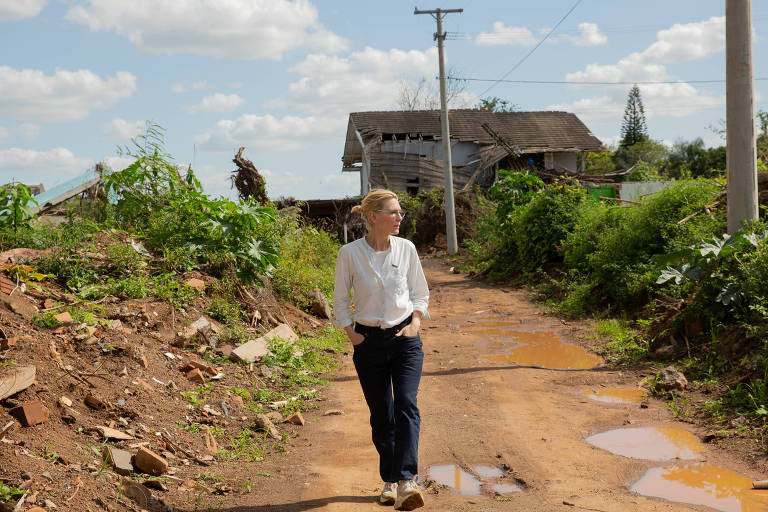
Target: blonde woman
391,296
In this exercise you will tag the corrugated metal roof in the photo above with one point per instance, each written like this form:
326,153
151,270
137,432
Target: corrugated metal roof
533,132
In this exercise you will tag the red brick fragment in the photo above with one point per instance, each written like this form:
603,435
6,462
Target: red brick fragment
149,462
196,376
31,413
143,361
295,419
144,384
48,303
94,403
61,330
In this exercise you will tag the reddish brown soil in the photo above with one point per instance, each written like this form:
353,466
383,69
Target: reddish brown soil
532,422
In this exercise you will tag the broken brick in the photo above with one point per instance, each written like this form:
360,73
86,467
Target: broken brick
149,462
143,361
196,376
296,419
8,343
205,368
65,402
31,413
94,403
64,318
61,330
210,441
48,303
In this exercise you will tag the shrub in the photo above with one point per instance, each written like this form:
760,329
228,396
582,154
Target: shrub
307,261
613,247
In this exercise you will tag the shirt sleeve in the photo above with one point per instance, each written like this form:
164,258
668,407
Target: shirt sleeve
342,286
417,284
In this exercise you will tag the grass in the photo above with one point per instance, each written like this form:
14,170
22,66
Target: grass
244,446
622,343
197,397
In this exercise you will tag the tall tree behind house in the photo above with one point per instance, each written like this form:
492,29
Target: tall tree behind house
633,127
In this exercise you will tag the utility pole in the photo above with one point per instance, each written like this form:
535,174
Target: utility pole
741,160
450,211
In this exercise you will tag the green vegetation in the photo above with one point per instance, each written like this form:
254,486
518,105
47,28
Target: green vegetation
9,493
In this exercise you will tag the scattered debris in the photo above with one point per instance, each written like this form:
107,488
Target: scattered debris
149,462
333,412
210,442
296,419
256,349
94,403
120,460
261,422
15,379
30,413
111,433
197,284
670,379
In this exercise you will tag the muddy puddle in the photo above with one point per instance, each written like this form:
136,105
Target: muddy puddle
703,484
543,349
617,395
453,476
650,443
466,484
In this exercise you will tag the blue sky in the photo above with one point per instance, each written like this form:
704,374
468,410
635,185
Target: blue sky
80,77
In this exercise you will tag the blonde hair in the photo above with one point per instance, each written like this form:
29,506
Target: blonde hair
372,202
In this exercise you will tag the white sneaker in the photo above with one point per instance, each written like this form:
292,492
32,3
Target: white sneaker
408,496
388,493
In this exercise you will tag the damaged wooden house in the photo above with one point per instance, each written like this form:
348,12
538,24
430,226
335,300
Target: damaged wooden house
402,150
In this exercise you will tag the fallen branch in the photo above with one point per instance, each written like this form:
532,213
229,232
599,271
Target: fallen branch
704,210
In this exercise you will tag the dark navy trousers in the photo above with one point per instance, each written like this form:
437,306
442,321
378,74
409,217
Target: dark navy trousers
389,369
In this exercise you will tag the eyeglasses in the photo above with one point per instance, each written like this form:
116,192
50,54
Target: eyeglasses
401,213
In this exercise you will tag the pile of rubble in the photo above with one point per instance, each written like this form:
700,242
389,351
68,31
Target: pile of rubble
124,414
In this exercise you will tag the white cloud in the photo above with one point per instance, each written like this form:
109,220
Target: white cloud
504,35
29,131
52,166
241,29
681,42
364,80
589,35
119,128
281,183
269,132
30,94
200,85
13,10
118,163
178,87
216,103
4,133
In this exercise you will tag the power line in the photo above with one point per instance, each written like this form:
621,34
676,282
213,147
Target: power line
564,82
534,48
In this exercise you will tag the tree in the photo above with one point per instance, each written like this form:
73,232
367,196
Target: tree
633,127
425,95
496,104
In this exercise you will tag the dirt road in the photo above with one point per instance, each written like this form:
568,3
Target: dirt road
491,416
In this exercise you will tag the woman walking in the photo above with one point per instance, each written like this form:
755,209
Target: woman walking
384,274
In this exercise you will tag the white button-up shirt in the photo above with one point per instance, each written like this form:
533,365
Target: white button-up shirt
381,299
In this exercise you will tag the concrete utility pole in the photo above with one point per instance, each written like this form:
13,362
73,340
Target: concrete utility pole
741,160
450,211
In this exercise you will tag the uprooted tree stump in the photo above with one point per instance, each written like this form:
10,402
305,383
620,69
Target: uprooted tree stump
247,180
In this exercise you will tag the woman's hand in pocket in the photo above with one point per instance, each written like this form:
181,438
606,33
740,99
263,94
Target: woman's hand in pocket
355,337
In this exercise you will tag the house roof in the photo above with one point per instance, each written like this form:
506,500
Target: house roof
532,132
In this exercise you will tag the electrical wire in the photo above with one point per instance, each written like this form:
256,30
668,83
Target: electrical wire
564,82
520,62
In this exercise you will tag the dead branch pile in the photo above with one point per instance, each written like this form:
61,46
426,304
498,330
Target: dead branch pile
247,180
